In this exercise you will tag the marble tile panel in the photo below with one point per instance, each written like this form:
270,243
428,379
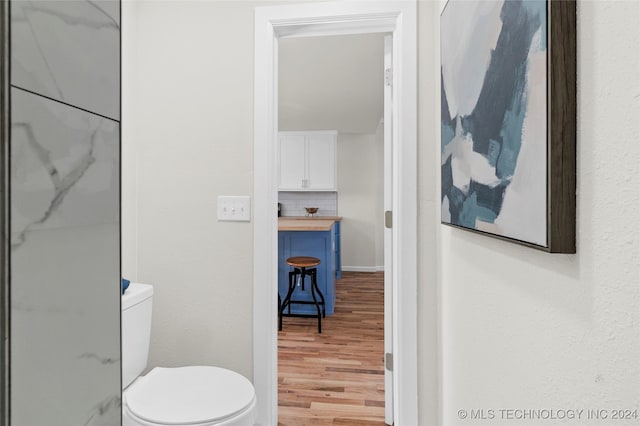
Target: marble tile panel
64,166
69,51
65,265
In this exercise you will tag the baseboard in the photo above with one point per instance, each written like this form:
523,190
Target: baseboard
363,268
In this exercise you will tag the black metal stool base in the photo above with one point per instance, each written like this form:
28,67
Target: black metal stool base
287,302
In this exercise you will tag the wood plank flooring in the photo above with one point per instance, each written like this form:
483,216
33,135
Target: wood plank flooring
337,377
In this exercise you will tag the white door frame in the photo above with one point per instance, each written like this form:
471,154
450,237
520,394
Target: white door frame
387,198
334,18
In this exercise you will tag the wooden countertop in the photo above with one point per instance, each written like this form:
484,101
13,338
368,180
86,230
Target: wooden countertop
311,224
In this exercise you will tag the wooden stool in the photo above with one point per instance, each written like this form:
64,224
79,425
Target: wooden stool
303,266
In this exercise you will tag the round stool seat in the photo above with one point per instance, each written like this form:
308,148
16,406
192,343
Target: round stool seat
303,261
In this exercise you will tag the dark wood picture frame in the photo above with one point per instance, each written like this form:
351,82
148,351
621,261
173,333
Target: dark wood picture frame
561,131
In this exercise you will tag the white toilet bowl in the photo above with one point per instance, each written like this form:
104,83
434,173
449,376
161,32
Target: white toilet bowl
184,396
194,396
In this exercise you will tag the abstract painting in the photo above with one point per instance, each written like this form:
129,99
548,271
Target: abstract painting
496,121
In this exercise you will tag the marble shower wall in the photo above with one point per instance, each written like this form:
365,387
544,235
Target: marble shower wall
65,213
68,51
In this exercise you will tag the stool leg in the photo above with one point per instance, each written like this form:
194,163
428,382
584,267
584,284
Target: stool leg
279,313
315,301
287,300
292,287
314,286
302,274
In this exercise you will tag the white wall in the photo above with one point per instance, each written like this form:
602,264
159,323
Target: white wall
360,199
191,126
428,217
331,82
525,329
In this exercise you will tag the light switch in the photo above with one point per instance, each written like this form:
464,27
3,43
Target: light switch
234,208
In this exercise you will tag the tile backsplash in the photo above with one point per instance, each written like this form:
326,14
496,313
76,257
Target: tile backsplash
293,203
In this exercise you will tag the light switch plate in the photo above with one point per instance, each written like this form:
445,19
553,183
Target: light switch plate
234,208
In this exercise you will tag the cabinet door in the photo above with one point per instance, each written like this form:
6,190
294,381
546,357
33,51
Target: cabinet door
321,162
292,162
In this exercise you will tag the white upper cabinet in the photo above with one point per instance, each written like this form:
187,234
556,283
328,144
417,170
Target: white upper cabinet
308,161
293,161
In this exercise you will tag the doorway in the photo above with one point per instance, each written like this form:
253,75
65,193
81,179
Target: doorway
331,93
337,18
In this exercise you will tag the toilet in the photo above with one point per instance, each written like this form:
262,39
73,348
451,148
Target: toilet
193,395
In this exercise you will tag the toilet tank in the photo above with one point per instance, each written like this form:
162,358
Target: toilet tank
136,330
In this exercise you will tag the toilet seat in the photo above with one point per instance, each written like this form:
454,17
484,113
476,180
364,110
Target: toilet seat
194,396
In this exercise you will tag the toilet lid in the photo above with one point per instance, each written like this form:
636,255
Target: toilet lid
189,395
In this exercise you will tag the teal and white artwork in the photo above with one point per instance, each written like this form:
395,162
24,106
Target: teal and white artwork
494,117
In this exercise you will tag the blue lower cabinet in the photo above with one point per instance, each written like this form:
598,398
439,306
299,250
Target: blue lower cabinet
320,244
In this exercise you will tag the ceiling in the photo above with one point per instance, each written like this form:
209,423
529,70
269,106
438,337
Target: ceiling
331,83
